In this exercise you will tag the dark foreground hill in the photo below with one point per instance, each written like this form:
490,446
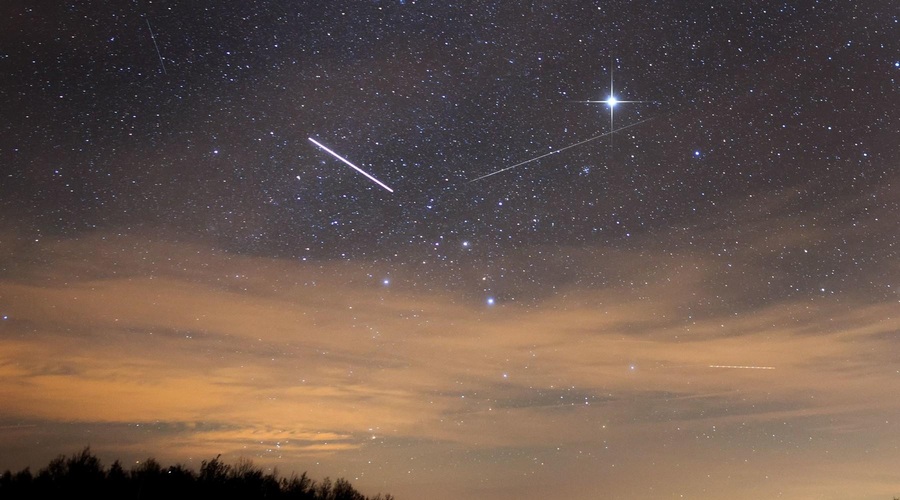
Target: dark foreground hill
83,476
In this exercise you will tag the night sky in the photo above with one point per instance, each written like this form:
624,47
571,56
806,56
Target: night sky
691,293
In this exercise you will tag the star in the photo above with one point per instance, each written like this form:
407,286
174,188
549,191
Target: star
611,101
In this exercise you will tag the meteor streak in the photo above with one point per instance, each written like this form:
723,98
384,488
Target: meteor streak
339,157
744,367
158,54
560,150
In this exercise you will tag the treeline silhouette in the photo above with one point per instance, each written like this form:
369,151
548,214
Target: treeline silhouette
82,474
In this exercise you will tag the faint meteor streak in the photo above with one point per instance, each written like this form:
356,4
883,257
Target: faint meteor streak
339,157
744,367
560,150
158,54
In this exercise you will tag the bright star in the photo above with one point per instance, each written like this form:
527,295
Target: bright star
611,101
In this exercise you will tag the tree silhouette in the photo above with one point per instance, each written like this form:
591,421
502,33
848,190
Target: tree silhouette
82,474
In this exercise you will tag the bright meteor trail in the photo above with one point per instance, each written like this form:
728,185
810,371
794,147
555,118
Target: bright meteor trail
339,157
560,150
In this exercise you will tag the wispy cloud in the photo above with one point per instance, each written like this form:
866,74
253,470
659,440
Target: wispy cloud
197,352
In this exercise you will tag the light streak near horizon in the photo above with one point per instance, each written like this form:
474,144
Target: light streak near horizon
339,157
743,367
560,150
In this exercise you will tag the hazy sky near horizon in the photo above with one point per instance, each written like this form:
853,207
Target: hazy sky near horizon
703,304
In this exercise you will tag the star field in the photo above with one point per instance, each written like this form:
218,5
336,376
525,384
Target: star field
530,305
